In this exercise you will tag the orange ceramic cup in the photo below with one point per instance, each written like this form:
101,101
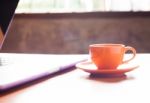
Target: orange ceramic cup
109,56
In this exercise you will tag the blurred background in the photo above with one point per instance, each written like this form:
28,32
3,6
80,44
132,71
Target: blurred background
69,26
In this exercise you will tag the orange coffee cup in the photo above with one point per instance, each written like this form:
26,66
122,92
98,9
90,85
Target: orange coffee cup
109,56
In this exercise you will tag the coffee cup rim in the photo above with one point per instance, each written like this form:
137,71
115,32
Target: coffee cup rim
106,44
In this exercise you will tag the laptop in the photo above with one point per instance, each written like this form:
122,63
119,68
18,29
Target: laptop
17,70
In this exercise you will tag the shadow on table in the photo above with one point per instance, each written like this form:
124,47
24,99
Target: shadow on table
109,78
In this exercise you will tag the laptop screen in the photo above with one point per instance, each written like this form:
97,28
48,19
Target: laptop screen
7,10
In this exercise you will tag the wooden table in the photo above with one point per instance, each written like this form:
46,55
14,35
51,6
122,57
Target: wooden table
77,86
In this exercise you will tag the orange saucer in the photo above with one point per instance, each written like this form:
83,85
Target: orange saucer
89,67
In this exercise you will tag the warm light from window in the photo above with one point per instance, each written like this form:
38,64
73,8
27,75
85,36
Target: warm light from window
42,6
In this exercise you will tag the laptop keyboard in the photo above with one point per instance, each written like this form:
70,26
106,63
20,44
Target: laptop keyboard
5,61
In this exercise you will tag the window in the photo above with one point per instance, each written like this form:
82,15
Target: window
47,6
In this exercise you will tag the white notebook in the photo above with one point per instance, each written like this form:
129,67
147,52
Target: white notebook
19,69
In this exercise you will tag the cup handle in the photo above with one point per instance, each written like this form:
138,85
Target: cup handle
129,48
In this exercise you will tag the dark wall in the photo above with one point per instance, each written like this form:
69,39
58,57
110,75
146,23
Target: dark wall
72,33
